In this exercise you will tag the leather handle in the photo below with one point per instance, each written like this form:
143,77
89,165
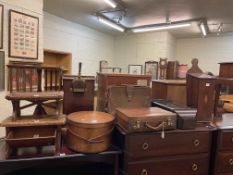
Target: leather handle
92,140
156,128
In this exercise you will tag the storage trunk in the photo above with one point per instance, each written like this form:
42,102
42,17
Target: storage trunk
128,97
145,119
89,132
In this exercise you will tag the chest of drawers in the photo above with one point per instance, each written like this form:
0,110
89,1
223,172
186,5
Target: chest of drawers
180,153
223,152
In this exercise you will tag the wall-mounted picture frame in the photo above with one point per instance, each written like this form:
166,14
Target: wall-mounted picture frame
135,69
1,25
23,35
151,68
102,65
2,70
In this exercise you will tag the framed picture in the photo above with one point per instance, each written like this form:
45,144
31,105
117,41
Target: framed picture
2,70
23,35
135,69
151,68
116,70
1,25
103,65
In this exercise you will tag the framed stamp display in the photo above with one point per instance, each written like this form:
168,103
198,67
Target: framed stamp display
2,70
1,25
23,35
151,68
135,69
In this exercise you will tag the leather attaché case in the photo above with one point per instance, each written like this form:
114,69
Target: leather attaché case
145,119
127,96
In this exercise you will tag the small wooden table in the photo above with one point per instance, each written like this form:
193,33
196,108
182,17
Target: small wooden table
173,90
36,98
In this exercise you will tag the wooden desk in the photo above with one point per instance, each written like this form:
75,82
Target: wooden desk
173,90
64,162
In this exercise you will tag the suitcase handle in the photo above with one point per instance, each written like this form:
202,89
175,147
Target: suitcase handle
156,128
92,140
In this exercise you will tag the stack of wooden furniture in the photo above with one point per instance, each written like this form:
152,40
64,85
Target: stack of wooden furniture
39,129
106,80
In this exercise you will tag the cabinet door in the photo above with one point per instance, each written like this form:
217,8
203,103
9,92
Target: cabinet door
148,145
190,165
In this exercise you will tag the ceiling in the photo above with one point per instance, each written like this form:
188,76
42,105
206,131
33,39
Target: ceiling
145,12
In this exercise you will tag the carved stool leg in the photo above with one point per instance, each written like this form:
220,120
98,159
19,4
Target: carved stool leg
16,109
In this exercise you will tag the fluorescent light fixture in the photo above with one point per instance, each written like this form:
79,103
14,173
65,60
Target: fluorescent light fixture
112,3
110,23
203,29
163,27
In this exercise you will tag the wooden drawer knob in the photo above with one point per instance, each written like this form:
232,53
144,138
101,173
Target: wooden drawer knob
144,172
196,142
230,162
194,167
145,146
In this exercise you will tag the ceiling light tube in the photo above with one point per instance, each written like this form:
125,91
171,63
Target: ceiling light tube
164,27
111,3
110,23
203,29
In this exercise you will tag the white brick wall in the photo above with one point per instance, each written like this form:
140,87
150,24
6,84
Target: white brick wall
210,51
138,48
86,45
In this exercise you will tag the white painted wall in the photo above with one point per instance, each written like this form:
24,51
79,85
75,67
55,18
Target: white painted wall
210,51
86,45
138,48
34,8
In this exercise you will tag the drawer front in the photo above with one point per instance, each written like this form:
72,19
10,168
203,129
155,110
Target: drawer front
226,140
190,165
224,163
152,144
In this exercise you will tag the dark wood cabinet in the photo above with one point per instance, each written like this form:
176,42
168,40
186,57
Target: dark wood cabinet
181,152
106,80
172,90
172,70
201,95
74,102
223,146
226,70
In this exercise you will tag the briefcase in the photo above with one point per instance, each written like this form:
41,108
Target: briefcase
145,119
127,96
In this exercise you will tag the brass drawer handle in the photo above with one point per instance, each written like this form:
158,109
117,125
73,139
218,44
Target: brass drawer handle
196,142
231,162
144,172
145,146
194,167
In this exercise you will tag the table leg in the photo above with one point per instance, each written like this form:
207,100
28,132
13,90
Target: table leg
16,109
116,165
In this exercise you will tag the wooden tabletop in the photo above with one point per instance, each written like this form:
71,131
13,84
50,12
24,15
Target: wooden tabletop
172,82
49,95
29,121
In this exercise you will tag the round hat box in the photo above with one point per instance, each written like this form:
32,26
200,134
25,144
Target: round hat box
89,131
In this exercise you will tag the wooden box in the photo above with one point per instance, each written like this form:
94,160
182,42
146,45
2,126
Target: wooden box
106,80
201,95
74,102
173,90
226,70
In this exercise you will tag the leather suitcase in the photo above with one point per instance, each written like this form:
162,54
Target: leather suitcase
128,96
145,119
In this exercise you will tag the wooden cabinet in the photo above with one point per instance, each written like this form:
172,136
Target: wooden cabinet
223,152
201,95
106,80
181,152
74,102
226,70
173,90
